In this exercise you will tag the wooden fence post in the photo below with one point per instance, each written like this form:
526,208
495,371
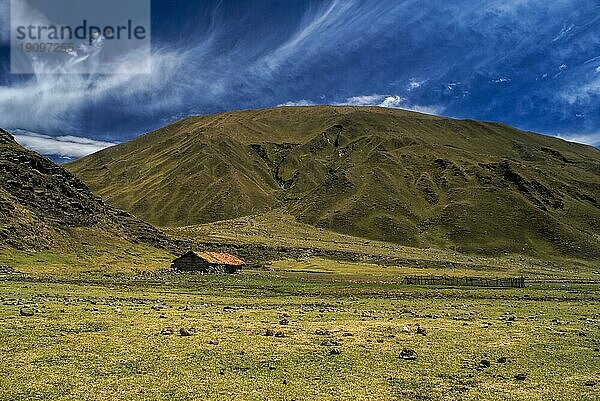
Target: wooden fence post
514,282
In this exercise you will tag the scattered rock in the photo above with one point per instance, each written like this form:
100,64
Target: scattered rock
25,311
502,359
421,331
213,342
408,354
322,332
329,343
521,376
117,310
590,383
280,334
405,329
7,270
162,316
166,331
186,332
270,333
284,322
484,363
367,314
335,351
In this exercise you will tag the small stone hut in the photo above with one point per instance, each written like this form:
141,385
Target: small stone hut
208,263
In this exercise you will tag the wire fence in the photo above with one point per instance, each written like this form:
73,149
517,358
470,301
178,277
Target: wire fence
512,282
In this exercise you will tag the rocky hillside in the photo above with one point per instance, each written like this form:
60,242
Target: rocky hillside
378,173
41,203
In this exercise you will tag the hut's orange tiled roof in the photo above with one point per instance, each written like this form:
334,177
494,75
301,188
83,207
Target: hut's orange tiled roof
221,258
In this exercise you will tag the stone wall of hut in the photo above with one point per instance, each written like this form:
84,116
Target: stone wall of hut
191,263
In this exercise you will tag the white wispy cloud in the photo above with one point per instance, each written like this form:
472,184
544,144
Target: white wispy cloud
203,72
53,102
433,110
4,22
372,100
297,103
393,102
331,27
414,84
313,23
513,6
389,101
583,92
66,146
592,139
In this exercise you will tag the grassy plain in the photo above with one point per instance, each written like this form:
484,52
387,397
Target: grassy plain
100,306
96,337
278,229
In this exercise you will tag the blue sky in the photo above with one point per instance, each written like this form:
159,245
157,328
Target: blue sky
528,63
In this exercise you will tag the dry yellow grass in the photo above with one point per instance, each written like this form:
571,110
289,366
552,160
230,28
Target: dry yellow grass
88,251
99,339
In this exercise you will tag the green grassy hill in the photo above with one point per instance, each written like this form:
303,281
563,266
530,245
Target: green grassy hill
377,173
50,219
